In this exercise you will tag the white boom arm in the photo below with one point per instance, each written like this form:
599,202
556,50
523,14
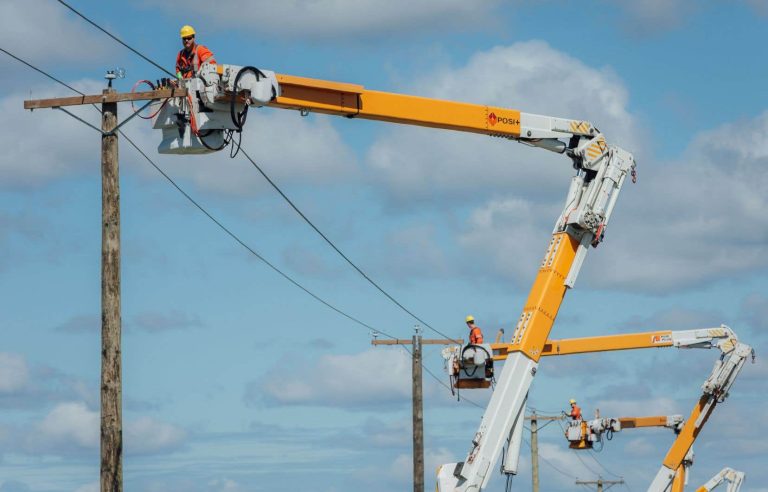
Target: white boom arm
733,477
589,204
715,390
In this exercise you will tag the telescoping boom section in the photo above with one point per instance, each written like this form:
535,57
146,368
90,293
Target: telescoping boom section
734,478
217,104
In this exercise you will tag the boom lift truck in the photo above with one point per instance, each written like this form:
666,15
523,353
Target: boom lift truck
733,477
733,355
216,106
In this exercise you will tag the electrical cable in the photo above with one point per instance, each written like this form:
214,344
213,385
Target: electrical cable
592,455
38,70
114,37
335,248
558,470
216,221
241,120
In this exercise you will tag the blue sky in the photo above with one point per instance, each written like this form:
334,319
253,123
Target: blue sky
235,380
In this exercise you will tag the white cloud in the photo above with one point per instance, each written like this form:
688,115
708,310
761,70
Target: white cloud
38,30
425,164
70,423
371,378
224,485
696,220
89,487
47,144
147,435
14,372
72,426
336,19
699,218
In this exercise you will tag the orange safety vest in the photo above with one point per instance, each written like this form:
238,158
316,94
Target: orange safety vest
475,335
576,412
188,64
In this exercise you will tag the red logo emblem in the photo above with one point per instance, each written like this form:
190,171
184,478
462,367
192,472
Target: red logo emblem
492,119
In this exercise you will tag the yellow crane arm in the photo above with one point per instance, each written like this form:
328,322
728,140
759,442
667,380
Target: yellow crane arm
354,101
700,338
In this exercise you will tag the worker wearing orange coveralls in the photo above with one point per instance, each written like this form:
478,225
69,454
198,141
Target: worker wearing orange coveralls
190,59
475,333
575,410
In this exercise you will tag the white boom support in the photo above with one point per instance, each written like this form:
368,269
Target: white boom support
733,477
589,204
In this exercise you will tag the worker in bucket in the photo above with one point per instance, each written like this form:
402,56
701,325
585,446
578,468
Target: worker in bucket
192,56
575,410
475,333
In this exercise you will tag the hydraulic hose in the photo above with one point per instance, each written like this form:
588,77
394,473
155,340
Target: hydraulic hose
238,119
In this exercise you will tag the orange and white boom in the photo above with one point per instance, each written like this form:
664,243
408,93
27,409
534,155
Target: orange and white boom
219,91
734,478
714,391
583,434
470,371
705,338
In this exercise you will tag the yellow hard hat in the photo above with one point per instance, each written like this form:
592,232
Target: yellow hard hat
572,401
469,319
187,31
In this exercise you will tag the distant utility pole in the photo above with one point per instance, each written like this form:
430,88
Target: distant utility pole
535,446
600,482
417,396
111,474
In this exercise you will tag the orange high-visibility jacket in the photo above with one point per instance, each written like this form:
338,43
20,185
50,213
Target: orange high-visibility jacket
475,335
576,412
189,63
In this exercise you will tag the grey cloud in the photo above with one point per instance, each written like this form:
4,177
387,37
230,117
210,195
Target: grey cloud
26,28
14,486
157,321
149,321
329,19
654,16
678,318
25,386
81,323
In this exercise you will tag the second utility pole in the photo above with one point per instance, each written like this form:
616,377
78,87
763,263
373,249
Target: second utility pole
418,401
418,416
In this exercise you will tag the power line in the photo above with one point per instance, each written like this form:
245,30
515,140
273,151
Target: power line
272,183
37,69
216,221
113,37
565,474
591,454
335,248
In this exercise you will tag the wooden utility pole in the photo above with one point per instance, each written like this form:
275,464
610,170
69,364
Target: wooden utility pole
111,470
535,446
417,397
418,416
111,363
535,452
600,482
